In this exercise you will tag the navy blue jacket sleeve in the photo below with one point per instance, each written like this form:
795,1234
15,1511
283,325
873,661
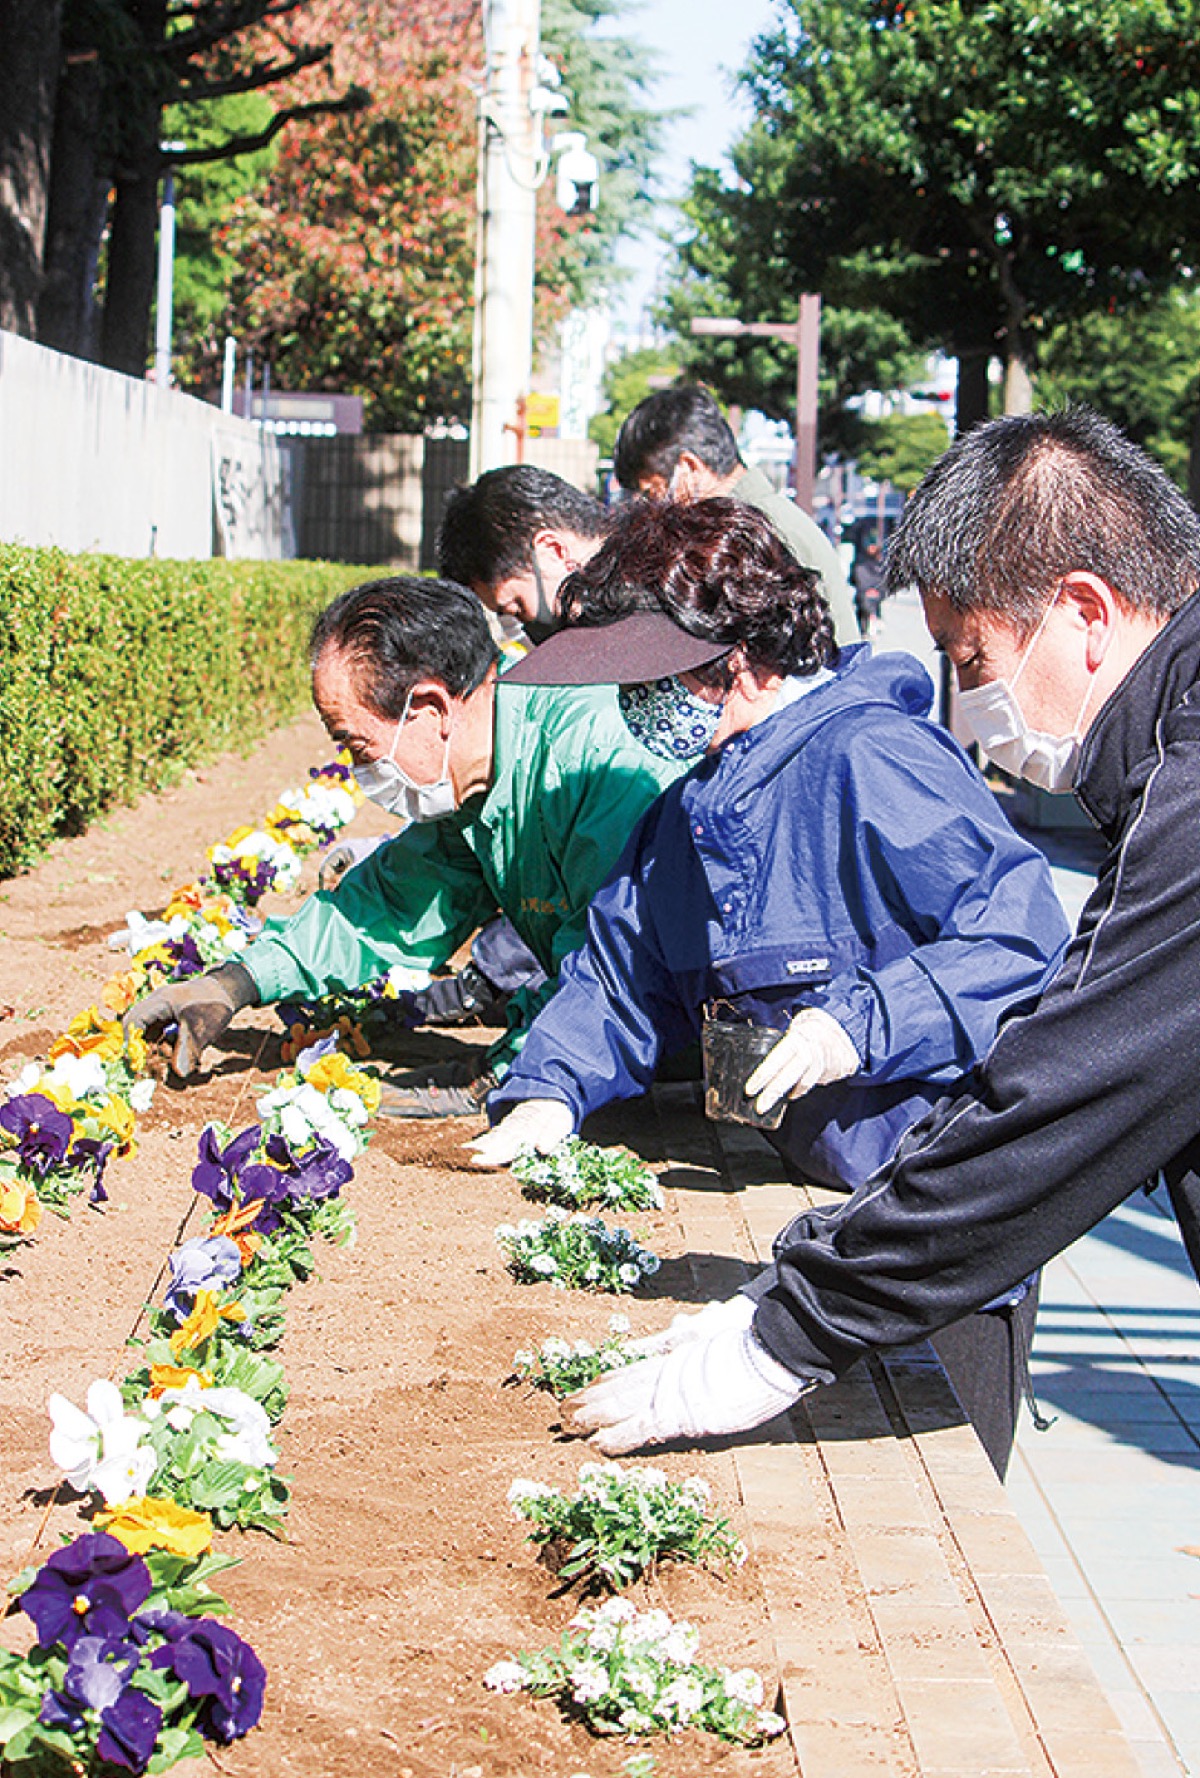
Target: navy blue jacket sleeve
616,1011
933,842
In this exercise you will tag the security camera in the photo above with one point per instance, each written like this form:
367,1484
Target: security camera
548,99
578,181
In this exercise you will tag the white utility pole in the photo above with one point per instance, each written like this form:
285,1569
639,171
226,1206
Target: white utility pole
166,283
512,164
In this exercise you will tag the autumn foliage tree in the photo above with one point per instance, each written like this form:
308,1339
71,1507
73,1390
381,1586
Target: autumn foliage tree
354,261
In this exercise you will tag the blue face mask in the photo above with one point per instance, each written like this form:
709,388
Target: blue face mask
669,719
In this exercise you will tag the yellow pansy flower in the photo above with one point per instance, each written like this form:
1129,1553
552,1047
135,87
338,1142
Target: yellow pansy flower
175,1376
149,1524
20,1210
206,1316
336,1070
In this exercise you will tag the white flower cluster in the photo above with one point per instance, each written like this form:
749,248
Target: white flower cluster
302,1114
622,1522
215,946
578,1174
320,805
109,1450
637,1672
575,1253
81,1080
260,847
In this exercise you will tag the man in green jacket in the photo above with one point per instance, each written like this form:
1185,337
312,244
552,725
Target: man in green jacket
517,800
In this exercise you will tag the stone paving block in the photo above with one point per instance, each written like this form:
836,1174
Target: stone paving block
852,1750
1164,1666
921,1645
904,1562
1059,1686
961,1726
994,1543
1024,1608
880,1500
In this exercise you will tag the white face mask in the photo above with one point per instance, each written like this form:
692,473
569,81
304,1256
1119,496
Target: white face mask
391,787
994,716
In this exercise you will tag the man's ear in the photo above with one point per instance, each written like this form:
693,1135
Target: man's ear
691,477
431,698
555,544
1095,607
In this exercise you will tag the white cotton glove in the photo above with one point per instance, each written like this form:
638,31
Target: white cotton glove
533,1123
738,1311
814,1051
705,1387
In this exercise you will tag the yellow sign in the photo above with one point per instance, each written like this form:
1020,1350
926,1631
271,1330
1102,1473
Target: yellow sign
541,414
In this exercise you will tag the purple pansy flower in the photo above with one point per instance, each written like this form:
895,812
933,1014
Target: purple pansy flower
93,1151
161,1621
98,1677
217,1171
215,1663
204,1263
320,1173
185,957
43,1132
90,1588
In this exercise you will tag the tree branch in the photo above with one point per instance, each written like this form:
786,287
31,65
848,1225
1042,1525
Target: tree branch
357,99
185,44
263,74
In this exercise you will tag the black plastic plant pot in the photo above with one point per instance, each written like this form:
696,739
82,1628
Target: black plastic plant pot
731,1054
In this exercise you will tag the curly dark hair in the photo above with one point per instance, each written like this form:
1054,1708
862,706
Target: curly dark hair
719,570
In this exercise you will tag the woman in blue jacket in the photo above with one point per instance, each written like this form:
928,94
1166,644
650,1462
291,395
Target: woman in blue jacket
833,855
834,867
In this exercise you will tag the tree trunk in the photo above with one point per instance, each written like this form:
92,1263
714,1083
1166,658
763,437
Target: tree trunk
67,315
129,287
29,49
971,401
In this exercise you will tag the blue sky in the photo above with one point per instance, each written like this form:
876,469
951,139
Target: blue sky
700,46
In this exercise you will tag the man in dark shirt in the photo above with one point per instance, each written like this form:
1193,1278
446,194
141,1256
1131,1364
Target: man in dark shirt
1059,569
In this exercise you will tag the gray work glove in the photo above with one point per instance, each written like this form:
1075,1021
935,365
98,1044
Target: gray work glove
343,856
200,1008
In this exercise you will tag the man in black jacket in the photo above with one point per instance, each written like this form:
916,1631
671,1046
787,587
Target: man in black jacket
1058,567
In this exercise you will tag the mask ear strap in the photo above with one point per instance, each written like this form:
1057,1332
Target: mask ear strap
391,752
546,613
1029,647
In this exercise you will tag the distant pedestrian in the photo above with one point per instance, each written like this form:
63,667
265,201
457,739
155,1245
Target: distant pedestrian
868,586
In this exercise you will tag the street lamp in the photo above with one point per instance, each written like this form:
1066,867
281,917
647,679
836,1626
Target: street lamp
166,273
805,334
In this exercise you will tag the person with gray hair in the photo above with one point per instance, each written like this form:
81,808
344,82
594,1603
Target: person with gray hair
1059,569
515,800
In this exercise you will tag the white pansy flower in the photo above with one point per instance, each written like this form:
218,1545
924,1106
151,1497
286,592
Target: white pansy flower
101,1448
141,1094
248,1440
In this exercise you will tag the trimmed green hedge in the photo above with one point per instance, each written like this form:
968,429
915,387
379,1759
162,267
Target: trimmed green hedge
115,675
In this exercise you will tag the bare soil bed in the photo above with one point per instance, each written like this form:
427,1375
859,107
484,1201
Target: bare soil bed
404,1577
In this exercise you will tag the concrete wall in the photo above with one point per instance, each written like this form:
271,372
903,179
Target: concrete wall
91,460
